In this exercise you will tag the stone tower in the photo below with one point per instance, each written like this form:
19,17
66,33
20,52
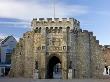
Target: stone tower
54,41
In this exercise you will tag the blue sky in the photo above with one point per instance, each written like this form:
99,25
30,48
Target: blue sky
94,15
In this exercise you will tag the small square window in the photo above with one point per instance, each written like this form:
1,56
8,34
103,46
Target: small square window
39,48
64,47
43,47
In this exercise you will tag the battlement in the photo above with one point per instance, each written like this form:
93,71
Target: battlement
55,22
85,31
91,33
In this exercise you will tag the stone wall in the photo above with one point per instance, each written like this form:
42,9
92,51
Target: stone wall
106,51
63,39
83,52
97,63
87,55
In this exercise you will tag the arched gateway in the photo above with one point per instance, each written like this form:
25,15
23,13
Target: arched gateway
57,44
54,68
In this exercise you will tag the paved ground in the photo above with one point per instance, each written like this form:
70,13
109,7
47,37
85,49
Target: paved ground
50,80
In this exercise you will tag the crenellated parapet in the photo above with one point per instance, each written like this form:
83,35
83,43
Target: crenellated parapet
51,20
89,35
42,23
86,32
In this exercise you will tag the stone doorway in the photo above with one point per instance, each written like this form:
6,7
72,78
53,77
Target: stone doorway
54,68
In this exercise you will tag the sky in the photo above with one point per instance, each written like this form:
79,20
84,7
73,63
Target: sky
94,15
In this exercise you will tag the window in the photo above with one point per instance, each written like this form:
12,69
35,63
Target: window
39,30
60,29
11,41
68,47
70,65
55,30
47,29
43,47
36,65
106,69
39,48
8,51
64,47
51,29
8,59
36,27
36,30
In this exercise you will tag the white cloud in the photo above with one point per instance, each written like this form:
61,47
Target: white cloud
17,38
16,24
2,36
29,10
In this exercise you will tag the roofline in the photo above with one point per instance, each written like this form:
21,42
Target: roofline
4,40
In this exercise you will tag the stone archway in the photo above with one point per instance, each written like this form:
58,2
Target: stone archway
53,61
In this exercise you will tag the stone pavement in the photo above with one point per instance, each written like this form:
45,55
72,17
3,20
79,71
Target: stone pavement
51,80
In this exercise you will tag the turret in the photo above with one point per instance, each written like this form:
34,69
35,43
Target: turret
56,22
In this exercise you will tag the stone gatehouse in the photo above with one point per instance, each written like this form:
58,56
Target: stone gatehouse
62,42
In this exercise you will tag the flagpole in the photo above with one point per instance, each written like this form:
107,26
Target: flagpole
54,7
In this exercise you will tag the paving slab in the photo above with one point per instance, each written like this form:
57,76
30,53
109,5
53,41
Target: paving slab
51,80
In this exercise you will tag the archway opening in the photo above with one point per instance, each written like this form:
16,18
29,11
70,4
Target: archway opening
54,68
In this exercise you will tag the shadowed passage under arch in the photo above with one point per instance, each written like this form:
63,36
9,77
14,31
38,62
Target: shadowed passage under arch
54,67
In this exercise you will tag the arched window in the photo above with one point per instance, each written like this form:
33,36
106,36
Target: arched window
60,29
36,65
36,27
36,30
39,30
68,28
56,29
51,29
70,65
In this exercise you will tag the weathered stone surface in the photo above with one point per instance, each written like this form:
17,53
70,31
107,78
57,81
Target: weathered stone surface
63,40
106,50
